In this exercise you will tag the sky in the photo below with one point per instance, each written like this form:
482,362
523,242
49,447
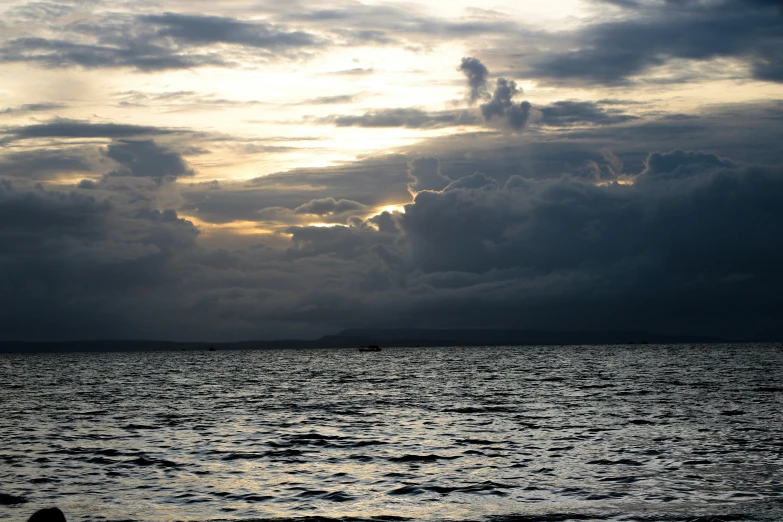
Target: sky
261,169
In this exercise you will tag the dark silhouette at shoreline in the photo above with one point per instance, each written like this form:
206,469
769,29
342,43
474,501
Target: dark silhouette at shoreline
52,514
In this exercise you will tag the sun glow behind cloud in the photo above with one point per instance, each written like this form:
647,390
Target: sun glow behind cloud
388,208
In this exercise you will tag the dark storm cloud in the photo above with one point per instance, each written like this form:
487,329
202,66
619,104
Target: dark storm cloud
145,158
608,52
87,184
411,118
401,21
505,90
476,181
77,264
502,105
568,112
692,246
652,34
157,42
682,163
26,210
42,164
326,206
665,236
425,174
560,252
32,107
746,132
62,128
64,153
477,75
386,224
770,69
142,55
599,209
339,241
517,115
215,29
152,42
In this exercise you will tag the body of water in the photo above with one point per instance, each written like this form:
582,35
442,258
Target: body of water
505,434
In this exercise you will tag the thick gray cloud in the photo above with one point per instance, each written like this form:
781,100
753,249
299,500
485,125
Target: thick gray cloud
502,105
769,66
42,164
138,54
145,158
32,107
651,34
476,181
569,112
535,229
691,246
63,128
558,114
400,22
665,238
176,40
501,98
76,264
152,42
387,225
26,210
425,174
327,206
682,163
477,75
411,118
747,133
610,51
198,29
338,241
69,151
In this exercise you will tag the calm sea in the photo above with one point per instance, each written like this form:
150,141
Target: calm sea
512,434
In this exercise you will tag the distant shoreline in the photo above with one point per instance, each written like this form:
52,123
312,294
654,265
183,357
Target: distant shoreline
355,338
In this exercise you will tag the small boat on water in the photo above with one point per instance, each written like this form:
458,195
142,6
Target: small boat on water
370,348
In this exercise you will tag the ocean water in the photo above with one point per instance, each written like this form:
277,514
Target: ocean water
506,434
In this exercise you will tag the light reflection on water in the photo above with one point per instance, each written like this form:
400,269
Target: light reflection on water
558,433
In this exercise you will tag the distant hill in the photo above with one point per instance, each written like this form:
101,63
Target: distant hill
487,337
354,338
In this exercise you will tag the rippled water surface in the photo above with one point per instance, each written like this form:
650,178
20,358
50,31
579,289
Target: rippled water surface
509,434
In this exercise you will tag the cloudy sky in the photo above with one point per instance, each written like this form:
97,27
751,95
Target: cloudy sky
258,169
